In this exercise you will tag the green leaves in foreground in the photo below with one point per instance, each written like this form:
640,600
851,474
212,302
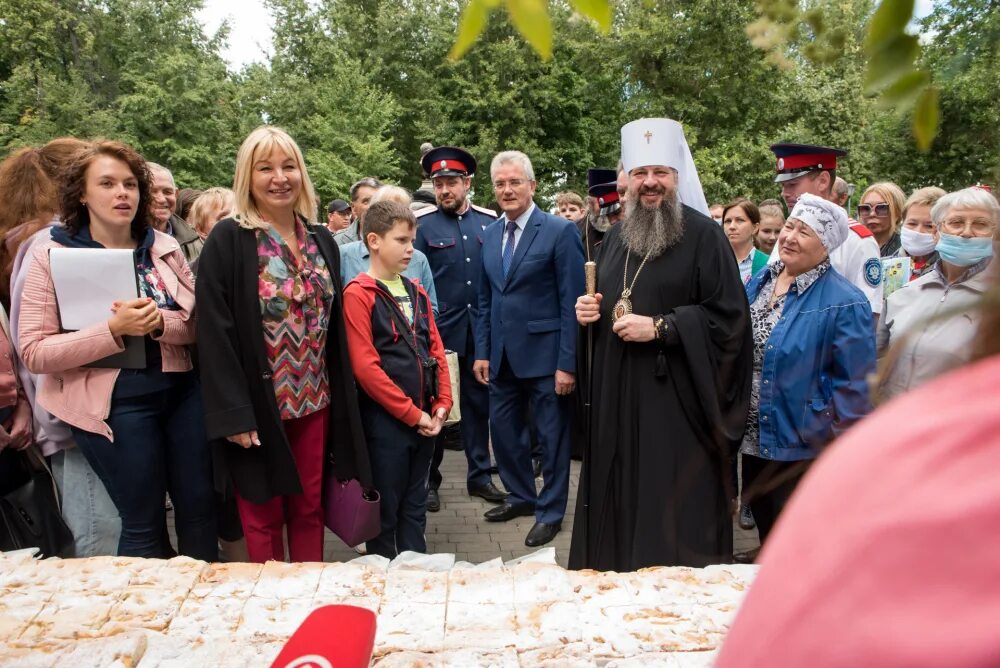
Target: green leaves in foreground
530,17
892,71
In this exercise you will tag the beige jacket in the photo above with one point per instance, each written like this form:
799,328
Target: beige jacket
927,328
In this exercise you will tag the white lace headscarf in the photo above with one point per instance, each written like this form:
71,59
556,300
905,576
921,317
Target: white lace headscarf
827,219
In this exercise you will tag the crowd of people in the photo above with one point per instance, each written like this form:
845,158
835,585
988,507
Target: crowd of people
697,358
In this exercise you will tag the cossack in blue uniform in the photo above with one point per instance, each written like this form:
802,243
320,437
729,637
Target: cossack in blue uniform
453,246
452,242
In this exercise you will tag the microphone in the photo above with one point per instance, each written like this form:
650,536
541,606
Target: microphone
333,636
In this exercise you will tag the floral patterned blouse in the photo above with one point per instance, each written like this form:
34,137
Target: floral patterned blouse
151,284
763,317
295,302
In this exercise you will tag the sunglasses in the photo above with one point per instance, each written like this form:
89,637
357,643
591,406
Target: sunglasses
880,210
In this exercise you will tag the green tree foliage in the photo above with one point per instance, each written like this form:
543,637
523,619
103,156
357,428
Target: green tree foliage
325,98
137,70
963,56
362,83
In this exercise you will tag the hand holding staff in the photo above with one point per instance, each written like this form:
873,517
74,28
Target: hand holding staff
588,306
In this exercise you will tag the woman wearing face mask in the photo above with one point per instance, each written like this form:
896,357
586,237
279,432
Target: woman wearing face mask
880,211
918,235
927,326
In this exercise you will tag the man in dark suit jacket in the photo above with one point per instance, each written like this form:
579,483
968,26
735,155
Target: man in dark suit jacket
526,344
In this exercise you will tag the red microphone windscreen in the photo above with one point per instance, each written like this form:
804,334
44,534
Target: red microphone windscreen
334,636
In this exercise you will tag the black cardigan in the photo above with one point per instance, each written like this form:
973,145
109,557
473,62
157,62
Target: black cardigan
236,374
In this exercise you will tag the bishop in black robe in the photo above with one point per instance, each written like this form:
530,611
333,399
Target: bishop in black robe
667,416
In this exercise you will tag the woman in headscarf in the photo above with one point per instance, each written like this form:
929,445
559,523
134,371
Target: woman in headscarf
813,349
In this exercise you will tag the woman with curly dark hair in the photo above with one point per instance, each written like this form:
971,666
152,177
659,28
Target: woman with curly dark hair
142,430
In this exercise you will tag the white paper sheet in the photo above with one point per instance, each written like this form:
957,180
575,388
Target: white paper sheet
88,281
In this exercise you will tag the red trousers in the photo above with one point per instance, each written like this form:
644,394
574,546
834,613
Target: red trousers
263,523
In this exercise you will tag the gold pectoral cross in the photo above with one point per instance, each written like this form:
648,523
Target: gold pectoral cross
648,136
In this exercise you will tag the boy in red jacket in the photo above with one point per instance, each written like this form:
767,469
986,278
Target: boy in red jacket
399,364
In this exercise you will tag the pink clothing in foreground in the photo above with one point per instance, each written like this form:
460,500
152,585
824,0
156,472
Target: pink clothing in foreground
72,392
889,552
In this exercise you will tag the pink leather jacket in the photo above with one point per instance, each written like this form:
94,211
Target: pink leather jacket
79,395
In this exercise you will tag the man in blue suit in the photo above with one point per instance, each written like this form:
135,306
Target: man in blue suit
526,344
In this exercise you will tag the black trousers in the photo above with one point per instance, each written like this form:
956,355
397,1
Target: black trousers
767,486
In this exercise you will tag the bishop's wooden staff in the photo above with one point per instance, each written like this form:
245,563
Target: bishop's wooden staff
590,273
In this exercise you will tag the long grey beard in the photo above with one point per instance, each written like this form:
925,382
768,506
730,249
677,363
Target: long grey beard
652,231
598,222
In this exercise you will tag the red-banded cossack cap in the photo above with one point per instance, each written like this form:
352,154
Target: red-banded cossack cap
606,195
795,160
448,161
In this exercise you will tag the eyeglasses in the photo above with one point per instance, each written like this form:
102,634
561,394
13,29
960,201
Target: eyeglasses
513,183
980,227
880,210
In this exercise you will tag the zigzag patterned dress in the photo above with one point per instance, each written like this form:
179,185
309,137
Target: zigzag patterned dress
295,310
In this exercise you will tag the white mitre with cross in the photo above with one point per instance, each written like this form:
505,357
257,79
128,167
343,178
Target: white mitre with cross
660,141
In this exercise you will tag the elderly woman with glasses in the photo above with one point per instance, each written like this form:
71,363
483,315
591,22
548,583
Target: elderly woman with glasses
880,211
812,352
928,325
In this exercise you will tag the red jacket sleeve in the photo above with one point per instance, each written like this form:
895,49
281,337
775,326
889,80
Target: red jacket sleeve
366,362
444,399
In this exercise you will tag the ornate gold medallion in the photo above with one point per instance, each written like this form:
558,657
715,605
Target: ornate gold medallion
622,307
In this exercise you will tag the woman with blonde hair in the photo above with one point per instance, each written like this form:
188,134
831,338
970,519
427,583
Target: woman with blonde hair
280,399
209,208
880,210
919,236
772,219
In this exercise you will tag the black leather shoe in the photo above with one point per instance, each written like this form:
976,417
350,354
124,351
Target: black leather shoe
489,492
433,501
508,511
747,557
542,533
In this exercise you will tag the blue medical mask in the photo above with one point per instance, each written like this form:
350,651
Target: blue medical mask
963,252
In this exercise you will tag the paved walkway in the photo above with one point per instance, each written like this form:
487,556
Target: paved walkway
459,526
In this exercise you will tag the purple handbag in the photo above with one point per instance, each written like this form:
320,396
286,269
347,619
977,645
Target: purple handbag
349,511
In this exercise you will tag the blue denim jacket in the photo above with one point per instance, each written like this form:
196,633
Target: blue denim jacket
814,377
354,260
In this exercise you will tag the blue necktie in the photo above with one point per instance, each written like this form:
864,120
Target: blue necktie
508,249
